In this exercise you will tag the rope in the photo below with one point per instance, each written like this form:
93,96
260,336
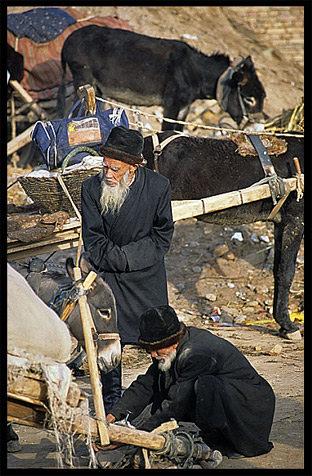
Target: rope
11,184
59,178
299,186
65,294
176,121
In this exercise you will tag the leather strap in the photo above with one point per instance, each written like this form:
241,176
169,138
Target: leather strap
159,146
263,155
276,184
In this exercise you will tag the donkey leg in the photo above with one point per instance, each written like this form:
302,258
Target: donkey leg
287,237
171,111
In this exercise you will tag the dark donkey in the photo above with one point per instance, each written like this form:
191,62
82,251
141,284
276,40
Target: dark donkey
146,71
101,302
202,167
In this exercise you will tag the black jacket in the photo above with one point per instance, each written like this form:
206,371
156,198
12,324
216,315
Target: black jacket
129,248
231,395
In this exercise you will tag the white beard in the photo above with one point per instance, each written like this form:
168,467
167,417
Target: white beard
165,363
112,198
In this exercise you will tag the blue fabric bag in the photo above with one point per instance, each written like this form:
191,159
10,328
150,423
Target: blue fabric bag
57,138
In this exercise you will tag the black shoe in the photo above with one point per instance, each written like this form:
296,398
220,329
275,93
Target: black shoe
234,455
13,444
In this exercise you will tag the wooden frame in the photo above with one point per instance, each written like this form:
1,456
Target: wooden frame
181,209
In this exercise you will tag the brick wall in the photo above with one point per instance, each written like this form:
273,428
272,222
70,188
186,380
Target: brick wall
277,26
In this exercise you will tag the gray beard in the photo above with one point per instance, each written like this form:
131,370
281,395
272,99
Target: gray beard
112,198
165,364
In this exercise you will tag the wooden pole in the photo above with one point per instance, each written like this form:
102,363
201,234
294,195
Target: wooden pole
27,98
87,324
19,141
132,436
182,209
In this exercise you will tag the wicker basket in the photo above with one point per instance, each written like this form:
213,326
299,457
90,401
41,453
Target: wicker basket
48,195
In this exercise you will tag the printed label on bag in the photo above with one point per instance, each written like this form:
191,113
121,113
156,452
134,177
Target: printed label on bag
84,131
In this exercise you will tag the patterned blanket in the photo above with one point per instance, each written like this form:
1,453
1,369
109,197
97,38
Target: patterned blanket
42,59
39,24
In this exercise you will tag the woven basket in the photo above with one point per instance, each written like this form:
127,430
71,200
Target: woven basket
48,195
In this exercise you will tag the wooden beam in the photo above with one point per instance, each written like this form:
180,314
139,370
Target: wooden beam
190,208
25,413
19,141
62,240
30,414
88,326
181,209
27,98
27,404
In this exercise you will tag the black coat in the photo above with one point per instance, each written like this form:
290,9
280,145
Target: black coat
231,396
129,248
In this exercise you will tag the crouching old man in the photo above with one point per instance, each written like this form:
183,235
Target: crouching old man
201,378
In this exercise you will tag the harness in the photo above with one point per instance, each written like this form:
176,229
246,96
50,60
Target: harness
65,297
223,88
159,146
64,301
278,190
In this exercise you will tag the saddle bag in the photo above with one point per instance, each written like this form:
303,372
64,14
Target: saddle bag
57,138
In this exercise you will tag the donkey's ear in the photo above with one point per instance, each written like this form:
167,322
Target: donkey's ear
70,268
249,63
85,264
240,78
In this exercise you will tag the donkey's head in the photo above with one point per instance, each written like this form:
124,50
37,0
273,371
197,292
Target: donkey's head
102,305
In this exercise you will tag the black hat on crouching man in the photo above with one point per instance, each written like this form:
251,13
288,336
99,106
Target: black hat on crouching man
160,328
125,145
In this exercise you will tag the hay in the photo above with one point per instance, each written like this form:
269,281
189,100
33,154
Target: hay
62,416
289,121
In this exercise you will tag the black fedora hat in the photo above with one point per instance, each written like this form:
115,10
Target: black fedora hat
125,145
160,328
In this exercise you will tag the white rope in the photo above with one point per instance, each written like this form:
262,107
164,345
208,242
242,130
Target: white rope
136,111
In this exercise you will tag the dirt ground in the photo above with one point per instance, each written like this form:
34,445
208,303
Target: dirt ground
218,278
232,297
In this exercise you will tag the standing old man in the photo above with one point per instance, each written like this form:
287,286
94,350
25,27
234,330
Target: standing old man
127,229
200,378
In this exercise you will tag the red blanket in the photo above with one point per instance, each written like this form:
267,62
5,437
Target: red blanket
42,61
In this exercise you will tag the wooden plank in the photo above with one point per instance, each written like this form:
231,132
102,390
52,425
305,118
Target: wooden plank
27,98
61,241
26,399
34,389
190,208
29,387
181,209
29,414
27,404
25,413
18,142
50,240
16,255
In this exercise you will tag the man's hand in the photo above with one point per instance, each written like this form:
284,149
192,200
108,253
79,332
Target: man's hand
110,418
